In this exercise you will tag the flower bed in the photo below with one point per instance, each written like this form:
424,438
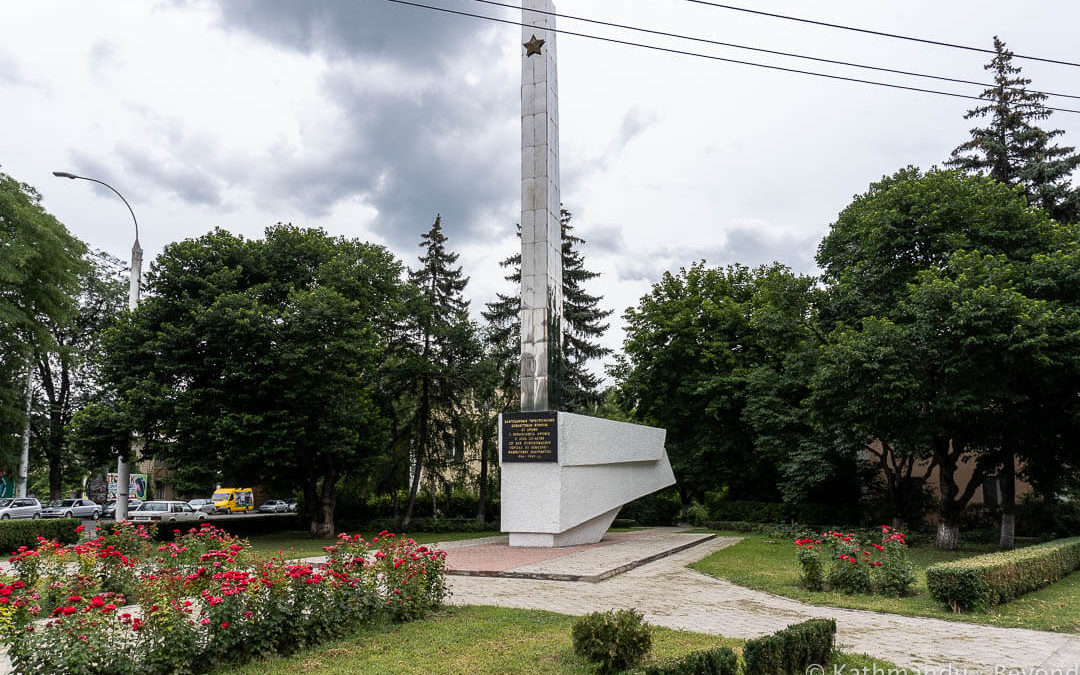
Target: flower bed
840,561
200,599
987,580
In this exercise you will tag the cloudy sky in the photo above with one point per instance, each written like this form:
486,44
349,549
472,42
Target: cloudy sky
367,118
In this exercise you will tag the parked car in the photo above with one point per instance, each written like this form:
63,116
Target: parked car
19,507
292,506
275,506
169,512
204,505
110,508
72,508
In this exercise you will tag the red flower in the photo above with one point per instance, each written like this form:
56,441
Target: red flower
224,624
79,529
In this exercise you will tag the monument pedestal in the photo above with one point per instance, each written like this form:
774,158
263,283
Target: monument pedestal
565,476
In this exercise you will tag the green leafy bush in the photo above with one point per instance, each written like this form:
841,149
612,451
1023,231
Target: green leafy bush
792,650
812,567
16,533
436,525
849,571
752,512
697,514
612,640
896,574
719,661
851,563
659,508
974,584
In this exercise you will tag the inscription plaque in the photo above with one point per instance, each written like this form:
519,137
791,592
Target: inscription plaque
530,437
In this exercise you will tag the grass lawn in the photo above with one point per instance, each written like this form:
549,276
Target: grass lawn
475,641
769,564
300,544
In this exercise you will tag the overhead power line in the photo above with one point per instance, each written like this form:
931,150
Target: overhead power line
878,32
710,57
762,50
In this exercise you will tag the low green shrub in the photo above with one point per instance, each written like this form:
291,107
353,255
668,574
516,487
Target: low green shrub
792,650
896,575
16,533
241,525
853,563
659,508
697,514
978,583
612,640
719,661
752,512
436,525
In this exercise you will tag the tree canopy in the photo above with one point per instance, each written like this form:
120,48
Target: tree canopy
40,266
1013,149
263,360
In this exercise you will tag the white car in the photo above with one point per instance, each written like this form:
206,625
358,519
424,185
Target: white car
19,507
275,506
205,505
166,512
72,508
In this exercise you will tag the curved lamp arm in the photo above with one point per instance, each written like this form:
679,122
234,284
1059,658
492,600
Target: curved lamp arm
65,174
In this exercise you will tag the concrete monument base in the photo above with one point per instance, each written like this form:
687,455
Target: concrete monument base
586,473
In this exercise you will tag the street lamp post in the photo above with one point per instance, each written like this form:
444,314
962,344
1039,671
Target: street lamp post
134,289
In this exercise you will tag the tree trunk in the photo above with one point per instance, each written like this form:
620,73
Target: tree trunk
1007,483
948,535
420,445
322,522
24,457
413,488
481,507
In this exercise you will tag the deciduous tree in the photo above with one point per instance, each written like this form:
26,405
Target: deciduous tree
263,360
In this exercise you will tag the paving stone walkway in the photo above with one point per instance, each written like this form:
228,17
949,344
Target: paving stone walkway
672,595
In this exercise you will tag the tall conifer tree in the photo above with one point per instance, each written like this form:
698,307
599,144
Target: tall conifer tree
443,347
583,324
1016,151
1013,149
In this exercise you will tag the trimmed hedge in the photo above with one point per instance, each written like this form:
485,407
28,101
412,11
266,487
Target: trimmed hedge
978,583
16,533
239,525
719,661
792,650
435,525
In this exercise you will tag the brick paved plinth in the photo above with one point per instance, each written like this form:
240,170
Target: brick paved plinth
614,554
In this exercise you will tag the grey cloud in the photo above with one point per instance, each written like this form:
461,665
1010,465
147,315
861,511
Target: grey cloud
635,122
355,27
9,70
422,146
83,164
745,245
604,239
189,182
444,151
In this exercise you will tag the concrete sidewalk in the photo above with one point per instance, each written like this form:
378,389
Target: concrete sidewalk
672,595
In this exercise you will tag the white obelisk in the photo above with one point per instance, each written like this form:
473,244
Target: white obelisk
564,476
541,235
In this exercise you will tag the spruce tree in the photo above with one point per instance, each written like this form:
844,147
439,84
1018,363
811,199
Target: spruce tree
583,324
1012,148
442,350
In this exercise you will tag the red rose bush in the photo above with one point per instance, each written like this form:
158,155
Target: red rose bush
839,561
200,600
